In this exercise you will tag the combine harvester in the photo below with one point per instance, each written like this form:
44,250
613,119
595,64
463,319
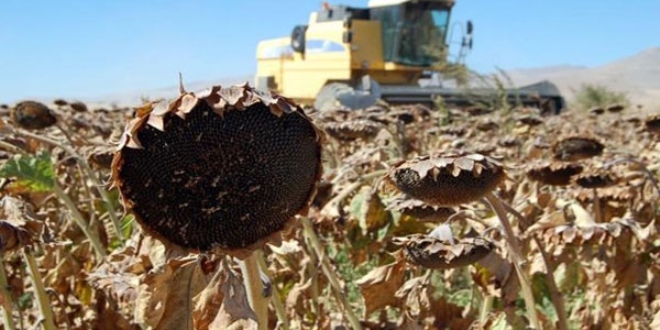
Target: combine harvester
352,57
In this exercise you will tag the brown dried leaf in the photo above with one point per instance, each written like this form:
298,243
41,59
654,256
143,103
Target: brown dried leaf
370,211
208,302
655,323
422,168
223,303
164,295
234,311
379,286
548,220
235,305
464,163
414,296
582,217
5,128
18,226
117,283
295,298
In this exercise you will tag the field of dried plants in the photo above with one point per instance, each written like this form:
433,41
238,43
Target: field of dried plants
420,219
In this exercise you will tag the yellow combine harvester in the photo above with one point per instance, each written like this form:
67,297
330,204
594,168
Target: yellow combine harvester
351,57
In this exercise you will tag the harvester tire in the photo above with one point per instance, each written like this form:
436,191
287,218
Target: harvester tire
340,96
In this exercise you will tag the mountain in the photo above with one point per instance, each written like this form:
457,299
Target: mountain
638,76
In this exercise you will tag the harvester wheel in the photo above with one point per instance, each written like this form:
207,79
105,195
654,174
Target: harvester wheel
335,96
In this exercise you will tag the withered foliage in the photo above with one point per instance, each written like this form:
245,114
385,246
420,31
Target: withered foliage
581,190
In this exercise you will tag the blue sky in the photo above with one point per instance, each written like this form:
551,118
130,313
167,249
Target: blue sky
72,48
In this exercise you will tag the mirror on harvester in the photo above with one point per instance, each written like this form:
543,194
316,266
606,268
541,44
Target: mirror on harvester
298,38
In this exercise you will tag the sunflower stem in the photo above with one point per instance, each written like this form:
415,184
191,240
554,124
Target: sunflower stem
47,320
486,307
8,319
598,211
90,174
80,221
11,148
254,288
555,294
314,275
517,259
276,298
333,279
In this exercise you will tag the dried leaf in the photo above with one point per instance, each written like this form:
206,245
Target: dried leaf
582,218
379,286
235,302
18,226
208,302
165,293
370,211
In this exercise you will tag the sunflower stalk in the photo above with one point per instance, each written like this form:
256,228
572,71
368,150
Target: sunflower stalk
517,259
276,299
486,307
7,311
330,274
43,302
555,294
11,148
80,221
254,288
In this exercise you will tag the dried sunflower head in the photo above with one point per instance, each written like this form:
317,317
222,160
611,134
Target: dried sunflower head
554,173
487,125
575,148
509,141
653,123
78,106
448,179
352,130
476,110
430,252
530,120
226,170
32,115
615,108
420,210
613,193
452,130
597,111
60,102
596,178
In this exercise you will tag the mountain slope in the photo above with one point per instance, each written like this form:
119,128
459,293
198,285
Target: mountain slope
637,75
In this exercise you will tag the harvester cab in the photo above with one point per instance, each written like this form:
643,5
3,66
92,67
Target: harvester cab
349,57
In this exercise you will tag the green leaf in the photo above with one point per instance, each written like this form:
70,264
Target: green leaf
36,173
